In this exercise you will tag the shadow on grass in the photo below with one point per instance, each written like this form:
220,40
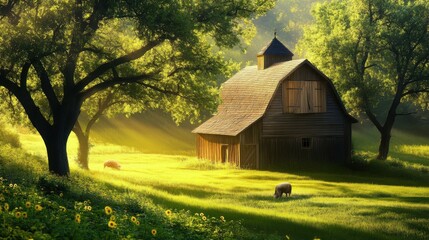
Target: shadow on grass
189,190
411,158
261,223
375,172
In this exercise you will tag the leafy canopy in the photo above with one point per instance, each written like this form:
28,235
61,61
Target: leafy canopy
58,54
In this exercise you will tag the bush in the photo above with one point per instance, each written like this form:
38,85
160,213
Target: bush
8,137
360,161
204,164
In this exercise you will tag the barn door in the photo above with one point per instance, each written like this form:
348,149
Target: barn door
249,156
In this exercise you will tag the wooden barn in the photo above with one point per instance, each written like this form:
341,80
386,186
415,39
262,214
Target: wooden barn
277,113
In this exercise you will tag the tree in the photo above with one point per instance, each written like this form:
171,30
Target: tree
377,52
110,104
56,55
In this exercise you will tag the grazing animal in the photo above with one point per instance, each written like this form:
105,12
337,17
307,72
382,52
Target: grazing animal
112,164
283,188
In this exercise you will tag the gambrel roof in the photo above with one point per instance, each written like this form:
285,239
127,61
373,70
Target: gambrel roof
246,96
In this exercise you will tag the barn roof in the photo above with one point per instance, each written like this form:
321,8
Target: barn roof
246,96
275,47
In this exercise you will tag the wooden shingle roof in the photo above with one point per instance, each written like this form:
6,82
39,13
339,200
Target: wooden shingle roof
245,97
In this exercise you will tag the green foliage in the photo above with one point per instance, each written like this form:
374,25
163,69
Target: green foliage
62,57
360,161
8,137
353,44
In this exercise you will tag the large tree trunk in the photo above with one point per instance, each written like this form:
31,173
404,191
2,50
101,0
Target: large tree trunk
385,131
383,148
56,137
56,147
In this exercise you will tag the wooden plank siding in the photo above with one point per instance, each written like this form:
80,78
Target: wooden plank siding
249,146
210,147
287,151
276,123
282,133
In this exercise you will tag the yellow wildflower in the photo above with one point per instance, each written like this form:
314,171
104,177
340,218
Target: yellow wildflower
63,209
137,222
204,218
168,212
153,232
112,218
112,224
28,204
108,210
77,218
222,218
88,208
18,214
38,207
201,214
24,215
133,219
6,207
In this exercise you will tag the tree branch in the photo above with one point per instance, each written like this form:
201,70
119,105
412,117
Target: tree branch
415,91
158,89
100,70
24,75
27,102
47,88
102,106
110,83
405,114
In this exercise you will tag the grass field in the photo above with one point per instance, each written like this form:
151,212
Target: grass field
380,201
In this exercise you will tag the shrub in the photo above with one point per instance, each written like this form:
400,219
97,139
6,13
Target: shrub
8,137
360,161
204,164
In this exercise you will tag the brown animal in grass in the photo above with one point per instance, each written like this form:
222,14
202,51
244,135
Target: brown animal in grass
283,188
112,164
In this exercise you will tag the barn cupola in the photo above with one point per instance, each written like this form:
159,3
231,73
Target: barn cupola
274,52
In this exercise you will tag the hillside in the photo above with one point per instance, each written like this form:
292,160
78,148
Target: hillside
181,197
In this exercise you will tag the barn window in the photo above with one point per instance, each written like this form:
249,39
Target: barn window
306,143
304,97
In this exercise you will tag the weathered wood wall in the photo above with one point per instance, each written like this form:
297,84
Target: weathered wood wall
210,147
278,124
265,61
287,151
282,132
249,146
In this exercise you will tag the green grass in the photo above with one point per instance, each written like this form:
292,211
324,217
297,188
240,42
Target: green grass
387,200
